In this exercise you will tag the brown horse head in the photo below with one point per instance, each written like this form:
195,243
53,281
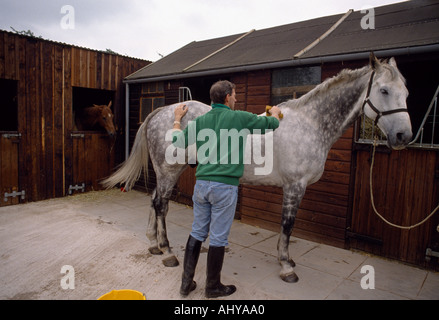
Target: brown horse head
105,118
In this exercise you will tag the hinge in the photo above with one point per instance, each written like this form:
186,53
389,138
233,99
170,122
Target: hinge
11,135
76,188
14,194
77,135
430,253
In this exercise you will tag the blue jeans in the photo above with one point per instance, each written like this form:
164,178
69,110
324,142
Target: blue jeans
214,211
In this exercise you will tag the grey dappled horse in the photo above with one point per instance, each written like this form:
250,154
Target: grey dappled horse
310,126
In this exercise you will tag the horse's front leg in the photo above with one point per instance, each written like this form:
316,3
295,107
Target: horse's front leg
293,194
160,204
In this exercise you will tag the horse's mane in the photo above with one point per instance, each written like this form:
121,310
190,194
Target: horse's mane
344,76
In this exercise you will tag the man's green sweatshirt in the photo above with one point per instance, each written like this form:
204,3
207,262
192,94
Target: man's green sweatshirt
220,137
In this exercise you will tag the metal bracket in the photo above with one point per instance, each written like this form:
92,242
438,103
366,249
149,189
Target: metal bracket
76,188
184,94
15,194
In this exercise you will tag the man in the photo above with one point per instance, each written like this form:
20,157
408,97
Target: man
216,189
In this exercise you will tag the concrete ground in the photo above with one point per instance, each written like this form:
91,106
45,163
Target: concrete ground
102,236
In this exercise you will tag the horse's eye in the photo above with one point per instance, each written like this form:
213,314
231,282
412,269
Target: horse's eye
104,118
384,91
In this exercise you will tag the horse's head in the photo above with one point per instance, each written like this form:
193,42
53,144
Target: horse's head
106,118
385,102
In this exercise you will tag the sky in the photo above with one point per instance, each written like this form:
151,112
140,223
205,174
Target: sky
150,29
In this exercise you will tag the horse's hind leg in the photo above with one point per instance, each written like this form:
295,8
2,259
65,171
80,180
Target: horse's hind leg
160,203
293,194
151,231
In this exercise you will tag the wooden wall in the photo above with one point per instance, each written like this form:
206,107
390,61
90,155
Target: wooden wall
9,169
46,71
403,197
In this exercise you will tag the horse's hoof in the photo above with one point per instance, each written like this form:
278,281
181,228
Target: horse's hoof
290,277
292,263
170,262
155,251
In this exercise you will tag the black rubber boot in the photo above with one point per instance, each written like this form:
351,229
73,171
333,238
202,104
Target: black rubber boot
191,255
214,287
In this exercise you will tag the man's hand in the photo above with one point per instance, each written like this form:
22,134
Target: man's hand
275,112
179,112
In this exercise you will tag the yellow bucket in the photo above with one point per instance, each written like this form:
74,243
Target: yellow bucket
123,295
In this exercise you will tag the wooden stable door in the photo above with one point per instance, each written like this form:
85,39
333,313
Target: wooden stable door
92,160
9,180
405,190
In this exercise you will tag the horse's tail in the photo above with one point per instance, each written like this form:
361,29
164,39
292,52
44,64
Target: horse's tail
130,170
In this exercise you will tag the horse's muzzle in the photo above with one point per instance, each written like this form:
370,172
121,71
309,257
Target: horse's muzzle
400,140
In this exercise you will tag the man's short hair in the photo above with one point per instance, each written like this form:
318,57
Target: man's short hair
220,90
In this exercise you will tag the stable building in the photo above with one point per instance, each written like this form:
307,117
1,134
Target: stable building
284,62
42,84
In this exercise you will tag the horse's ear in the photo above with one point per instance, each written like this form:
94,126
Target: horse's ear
392,62
374,62
95,105
109,105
